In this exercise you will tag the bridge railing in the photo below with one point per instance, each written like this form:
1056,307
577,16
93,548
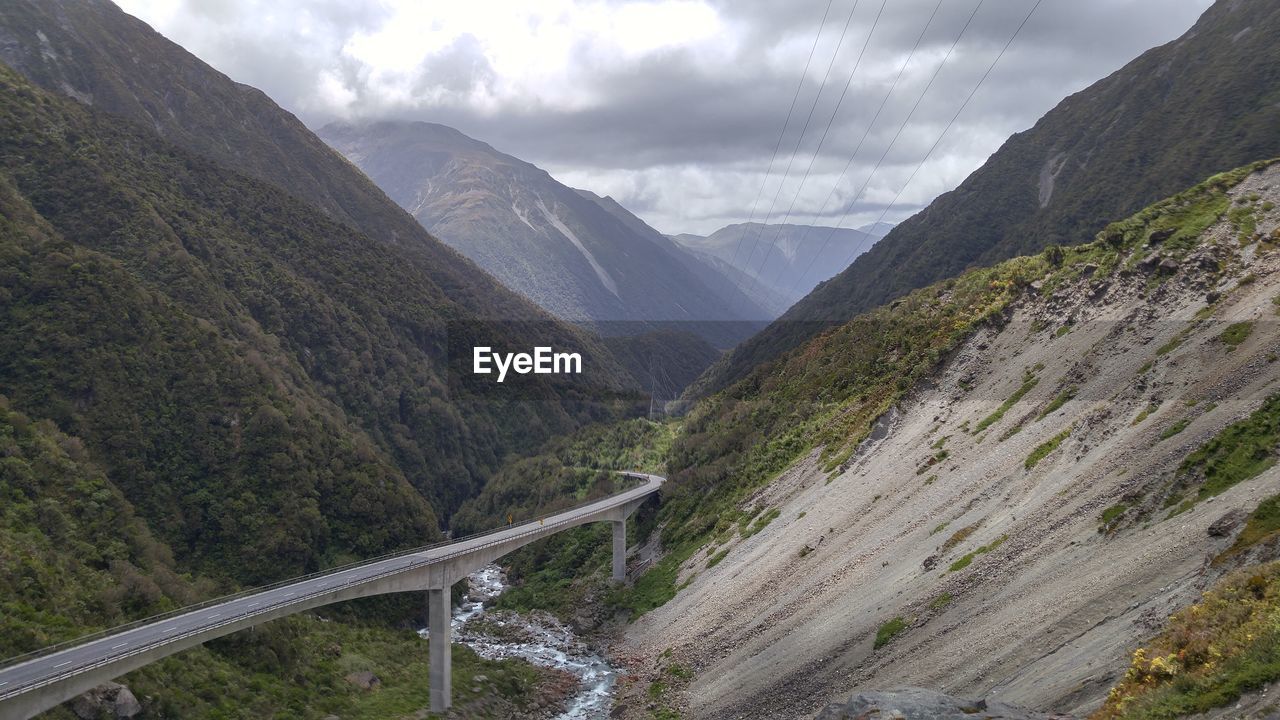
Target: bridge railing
177,612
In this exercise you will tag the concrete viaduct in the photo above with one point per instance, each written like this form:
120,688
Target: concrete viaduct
32,684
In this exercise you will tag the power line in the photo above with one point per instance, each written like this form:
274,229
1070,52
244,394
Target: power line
951,122
764,263
891,144
782,134
805,129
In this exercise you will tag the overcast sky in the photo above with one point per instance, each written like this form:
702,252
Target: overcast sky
674,107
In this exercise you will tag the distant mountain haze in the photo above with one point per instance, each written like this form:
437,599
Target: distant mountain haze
786,260
581,256
1202,104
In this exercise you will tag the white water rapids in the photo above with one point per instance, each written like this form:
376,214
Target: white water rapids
542,640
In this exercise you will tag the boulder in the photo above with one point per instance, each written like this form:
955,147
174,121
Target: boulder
108,700
919,704
364,680
1226,525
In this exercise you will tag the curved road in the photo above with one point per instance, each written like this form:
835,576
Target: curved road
144,643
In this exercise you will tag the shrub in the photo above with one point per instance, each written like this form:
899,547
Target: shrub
889,631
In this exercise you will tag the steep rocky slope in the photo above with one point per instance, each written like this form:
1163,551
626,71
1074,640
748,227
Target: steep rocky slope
1204,103
789,260
1029,508
581,256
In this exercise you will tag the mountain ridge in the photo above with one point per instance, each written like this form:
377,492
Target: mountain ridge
581,256
1203,103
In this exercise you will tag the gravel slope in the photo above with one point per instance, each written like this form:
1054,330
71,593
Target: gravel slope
1047,619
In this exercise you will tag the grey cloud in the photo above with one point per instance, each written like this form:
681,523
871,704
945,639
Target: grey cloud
684,141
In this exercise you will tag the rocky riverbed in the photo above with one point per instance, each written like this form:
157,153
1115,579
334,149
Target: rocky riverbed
537,637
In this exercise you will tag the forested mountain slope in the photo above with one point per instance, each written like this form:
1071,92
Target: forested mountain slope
1204,103
94,52
209,384
359,302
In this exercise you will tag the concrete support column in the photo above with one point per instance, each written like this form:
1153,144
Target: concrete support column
619,550
439,623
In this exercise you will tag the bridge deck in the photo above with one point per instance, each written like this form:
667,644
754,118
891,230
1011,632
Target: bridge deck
178,631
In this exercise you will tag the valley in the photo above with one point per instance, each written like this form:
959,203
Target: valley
314,404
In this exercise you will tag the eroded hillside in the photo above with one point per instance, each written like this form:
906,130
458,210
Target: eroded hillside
1024,516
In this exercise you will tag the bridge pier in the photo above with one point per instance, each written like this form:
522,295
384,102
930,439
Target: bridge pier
620,550
440,626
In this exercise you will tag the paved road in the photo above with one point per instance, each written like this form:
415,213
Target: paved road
46,669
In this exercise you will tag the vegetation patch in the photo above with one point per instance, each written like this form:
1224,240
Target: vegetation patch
1263,525
715,559
958,536
1175,428
1146,412
1028,383
1210,654
1045,448
964,561
761,522
1057,402
1242,450
941,601
1236,333
889,631
1111,515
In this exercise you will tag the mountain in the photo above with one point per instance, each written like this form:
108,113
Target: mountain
277,241
580,256
1010,484
1204,103
788,260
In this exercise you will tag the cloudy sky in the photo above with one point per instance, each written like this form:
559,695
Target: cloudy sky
675,107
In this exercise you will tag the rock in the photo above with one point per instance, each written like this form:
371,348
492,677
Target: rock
1226,525
930,562
1169,265
364,680
1160,236
1212,296
107,700
919,704
127,705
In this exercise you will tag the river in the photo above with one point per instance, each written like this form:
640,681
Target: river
538,638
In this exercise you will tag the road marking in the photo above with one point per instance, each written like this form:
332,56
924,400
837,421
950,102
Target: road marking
6,682
55,667
290,595
253,605
214,616
175,627
117,647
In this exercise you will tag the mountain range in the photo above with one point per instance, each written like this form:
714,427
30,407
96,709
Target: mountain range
786,260
583,257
